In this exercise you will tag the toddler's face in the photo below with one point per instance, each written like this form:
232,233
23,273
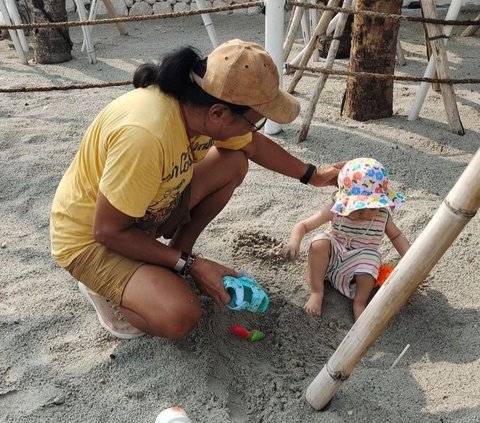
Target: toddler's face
364,214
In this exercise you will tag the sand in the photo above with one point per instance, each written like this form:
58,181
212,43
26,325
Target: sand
56,362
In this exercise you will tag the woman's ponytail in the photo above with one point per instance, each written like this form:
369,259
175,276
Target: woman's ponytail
172,75
145,75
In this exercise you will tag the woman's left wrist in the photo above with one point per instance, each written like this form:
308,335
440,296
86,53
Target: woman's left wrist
309,173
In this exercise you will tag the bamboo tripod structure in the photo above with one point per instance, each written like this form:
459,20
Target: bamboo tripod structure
438,62
458,208
439,52
319,31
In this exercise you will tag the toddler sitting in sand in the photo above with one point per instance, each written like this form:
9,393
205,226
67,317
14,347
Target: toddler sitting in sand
347,252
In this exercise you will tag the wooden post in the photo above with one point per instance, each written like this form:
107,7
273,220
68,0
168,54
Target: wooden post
373,50
112,13
435,85
439,52
400,54
319,31
457,209
292,31
332,54
472,29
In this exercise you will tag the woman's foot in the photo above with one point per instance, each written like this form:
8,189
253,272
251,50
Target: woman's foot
314,305
110,315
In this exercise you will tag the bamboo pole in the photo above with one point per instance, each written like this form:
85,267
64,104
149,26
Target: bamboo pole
313,21
435,85
17,20
452,14
13,34
472,29
207,22
319,31
332,54
87,35
400,54
305,24
440,54
112,13
457,209
292,30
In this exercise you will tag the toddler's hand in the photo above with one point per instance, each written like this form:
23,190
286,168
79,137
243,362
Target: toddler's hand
289,252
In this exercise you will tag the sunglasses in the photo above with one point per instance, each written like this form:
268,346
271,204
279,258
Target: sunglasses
256,126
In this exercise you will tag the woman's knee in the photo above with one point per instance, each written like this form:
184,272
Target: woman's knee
177,322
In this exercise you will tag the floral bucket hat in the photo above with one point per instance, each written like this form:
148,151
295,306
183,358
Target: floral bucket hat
363,184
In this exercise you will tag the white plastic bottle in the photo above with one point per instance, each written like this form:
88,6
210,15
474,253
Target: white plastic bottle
173,415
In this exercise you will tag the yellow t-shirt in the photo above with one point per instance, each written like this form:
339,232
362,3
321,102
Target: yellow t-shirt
137,153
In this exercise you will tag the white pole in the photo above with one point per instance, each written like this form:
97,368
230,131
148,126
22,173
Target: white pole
298,58
207,22
274,16
87,35
333,24
13,33
452,14
91,16
313,14
305,27
13,11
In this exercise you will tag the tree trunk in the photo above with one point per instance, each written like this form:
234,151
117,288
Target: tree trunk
374,41
52,45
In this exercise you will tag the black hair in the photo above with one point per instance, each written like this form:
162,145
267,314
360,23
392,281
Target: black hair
172,75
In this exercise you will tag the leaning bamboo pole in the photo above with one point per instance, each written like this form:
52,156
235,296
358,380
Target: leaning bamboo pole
292,30
457,209
472,29
320,84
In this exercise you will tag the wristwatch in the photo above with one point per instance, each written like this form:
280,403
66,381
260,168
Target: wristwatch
182,262
305,179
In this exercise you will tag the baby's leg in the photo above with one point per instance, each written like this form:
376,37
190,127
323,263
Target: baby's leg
318,257
364,286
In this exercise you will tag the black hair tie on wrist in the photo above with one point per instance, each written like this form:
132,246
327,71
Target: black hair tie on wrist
305,179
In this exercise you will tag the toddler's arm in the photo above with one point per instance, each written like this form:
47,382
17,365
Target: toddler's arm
397,238
290,250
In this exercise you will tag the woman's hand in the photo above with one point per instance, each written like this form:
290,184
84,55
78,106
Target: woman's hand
327,175
289,251
209,277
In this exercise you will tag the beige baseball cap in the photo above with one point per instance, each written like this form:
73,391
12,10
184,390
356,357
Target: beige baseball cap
243,73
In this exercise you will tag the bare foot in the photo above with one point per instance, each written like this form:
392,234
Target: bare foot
314,305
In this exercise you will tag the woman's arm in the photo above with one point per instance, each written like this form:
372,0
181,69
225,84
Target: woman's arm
396,237
291,249
116,231
268,154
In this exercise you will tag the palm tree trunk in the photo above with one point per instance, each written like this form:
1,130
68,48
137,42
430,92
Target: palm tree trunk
52,45
374,43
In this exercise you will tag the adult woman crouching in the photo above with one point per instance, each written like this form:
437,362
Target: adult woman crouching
164,160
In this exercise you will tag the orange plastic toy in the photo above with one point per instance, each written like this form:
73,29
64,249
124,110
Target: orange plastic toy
384,273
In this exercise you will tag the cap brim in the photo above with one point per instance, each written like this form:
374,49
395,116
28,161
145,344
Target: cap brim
284,108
